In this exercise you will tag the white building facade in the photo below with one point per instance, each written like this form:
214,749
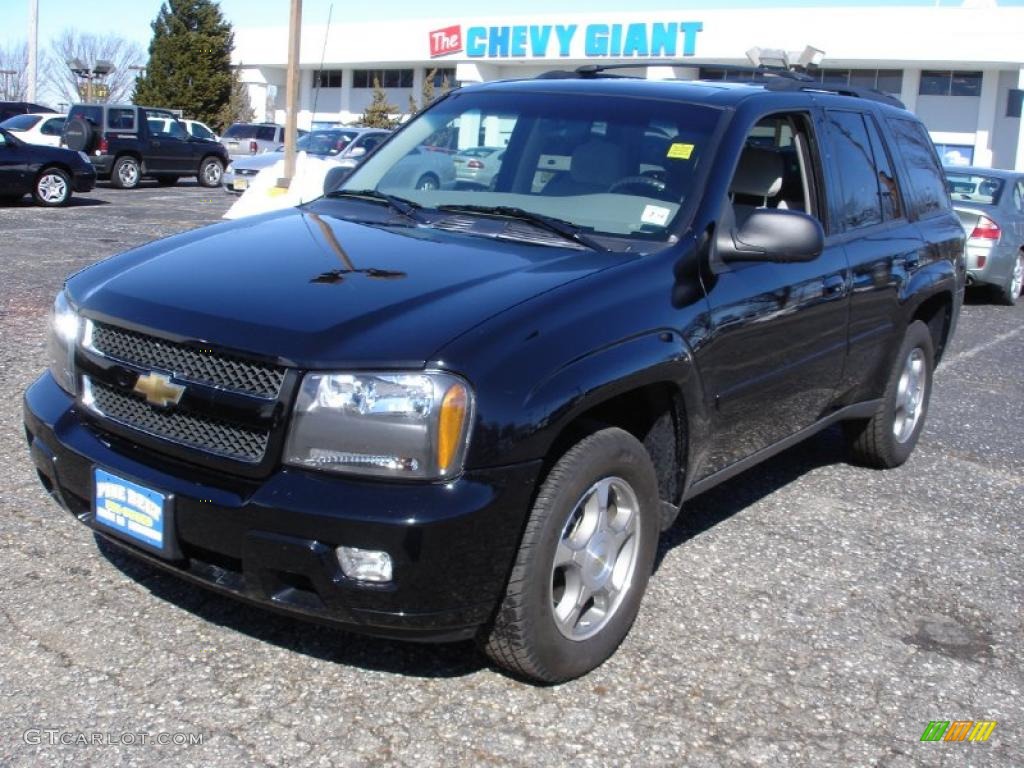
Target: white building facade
960,69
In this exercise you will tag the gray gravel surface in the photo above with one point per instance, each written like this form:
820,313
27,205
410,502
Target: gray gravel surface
807,613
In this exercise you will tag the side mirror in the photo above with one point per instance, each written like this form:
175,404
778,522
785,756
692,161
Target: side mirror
334,178
357,152
773,235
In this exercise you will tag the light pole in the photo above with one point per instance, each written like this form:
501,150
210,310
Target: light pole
101,68
7,73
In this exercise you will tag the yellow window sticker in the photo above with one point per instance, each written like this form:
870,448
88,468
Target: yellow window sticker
679,151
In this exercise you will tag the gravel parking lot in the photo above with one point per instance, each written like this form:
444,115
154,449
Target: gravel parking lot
807,613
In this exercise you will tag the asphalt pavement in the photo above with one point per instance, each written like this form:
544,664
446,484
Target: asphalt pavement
807,613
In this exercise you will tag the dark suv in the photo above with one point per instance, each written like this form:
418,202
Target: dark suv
127,143
455,413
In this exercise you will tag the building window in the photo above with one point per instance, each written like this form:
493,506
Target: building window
884,80
935,83
441,74
327,78
388,78
734,76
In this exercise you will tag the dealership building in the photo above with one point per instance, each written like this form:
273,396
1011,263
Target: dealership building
960,69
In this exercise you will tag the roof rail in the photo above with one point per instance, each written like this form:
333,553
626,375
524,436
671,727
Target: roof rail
841,89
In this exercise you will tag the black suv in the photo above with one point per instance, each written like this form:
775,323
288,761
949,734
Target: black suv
127,143
454,413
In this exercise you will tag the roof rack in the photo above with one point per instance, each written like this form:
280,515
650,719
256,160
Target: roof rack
773,78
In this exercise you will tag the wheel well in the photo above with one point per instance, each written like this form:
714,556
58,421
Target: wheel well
655,416
213,156
58,166
134,155
936,312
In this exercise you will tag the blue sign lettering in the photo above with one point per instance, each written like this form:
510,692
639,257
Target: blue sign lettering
660,39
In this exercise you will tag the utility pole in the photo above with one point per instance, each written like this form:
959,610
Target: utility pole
33,47
291,122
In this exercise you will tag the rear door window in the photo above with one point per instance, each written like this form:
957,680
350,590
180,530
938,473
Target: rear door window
20,122
859,203
928,189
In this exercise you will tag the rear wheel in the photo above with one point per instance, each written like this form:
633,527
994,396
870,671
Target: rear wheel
126,173
888,438
52,187
211,170
1010,292
166,181
583,564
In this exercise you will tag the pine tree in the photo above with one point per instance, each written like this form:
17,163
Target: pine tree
378,113
413,107
189,61
427,92
239,107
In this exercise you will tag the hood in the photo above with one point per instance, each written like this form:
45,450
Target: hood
313,290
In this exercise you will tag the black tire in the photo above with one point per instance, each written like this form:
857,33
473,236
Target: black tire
428,181
874,442
166,181
211,172
524,637
78,135
1010,292
126,173
52,187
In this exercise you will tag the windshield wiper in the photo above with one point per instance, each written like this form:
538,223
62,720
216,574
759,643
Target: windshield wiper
566,229
405,207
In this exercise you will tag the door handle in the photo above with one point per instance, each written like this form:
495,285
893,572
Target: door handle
833,284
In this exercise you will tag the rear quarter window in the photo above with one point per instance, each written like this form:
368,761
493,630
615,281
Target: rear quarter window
266,133
928,191
121,119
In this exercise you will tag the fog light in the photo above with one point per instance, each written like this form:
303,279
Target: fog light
365,564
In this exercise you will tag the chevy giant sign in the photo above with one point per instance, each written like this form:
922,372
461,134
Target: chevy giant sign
659,40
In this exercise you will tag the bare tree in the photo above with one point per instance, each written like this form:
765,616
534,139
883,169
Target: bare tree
13,77
89,49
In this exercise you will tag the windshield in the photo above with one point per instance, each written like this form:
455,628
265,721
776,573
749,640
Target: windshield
325,142
974,188
615,165
20,122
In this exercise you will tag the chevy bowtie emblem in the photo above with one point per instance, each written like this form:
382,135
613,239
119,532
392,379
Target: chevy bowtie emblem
159,390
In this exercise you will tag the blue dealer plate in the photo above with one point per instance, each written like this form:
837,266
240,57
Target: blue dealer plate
130,509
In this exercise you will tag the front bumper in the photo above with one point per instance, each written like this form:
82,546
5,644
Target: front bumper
83,180
272,541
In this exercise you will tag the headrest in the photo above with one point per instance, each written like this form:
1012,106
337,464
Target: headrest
759,173
596,162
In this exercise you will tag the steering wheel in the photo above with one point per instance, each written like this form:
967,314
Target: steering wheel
658,185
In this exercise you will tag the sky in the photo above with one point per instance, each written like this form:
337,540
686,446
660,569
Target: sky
131,18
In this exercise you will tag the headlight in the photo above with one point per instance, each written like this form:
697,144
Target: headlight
64,329
405,425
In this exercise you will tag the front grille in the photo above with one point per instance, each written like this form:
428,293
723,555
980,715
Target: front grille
187,363
210,435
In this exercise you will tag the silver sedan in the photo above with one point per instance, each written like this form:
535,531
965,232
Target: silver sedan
990,203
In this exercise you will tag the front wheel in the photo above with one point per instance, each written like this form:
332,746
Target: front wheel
52,187
1009,293
211,170
428,181
887,439
583,564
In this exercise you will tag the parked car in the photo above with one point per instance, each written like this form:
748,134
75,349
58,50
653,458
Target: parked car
990,204
12,108
243,139
42,128
194,127
50,174
443,413
422,168
125,147
478,165
345,145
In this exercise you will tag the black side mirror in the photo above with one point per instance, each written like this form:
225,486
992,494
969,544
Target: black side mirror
773,235
334,178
